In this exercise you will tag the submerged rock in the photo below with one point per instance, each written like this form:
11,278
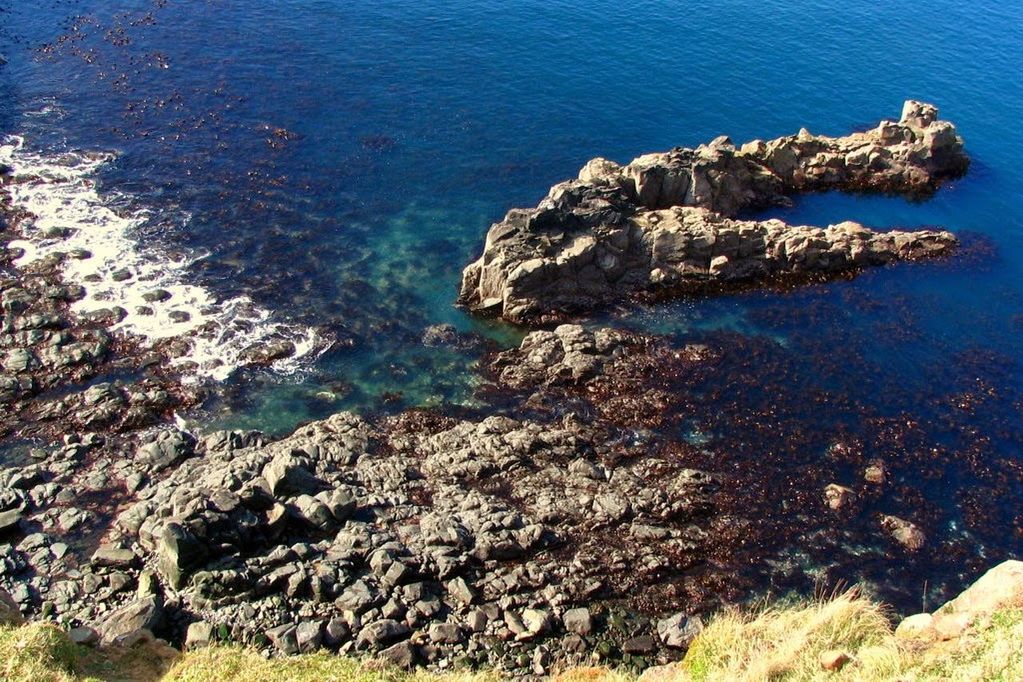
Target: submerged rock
904,532
666,222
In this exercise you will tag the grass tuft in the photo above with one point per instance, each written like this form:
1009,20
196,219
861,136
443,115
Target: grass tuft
37,652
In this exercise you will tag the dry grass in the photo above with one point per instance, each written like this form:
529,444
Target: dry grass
592,674
785,643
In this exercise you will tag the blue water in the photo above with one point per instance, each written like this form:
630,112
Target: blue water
411,126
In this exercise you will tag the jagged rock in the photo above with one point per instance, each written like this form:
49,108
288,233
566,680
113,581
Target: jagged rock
381,632
314,512
166,449
287,475
10,614
461,591
536,621
124,624
179,552
359,597
284,638
667,221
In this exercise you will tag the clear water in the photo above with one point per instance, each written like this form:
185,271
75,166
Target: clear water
412,126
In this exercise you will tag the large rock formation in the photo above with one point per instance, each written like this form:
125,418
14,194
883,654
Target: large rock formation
667,222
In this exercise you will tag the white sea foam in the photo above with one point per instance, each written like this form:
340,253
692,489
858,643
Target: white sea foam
70,216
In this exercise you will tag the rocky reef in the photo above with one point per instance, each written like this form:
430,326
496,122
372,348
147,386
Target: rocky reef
669,223
589,524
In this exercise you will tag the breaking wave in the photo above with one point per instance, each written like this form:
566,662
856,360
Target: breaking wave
146,285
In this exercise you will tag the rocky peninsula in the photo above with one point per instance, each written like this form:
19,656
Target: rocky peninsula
670,223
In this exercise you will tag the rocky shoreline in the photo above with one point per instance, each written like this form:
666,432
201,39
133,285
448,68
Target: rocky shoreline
668,224
579,516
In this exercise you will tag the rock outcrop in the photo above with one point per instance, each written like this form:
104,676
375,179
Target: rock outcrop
416,529
668,222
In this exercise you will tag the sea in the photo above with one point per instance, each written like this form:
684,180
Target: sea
320,171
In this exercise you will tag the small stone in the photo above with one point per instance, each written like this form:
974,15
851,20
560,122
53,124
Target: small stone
833,660
838,496
337,631
461,591
401,655
445,633
309,635
198,635
917,627
578,621
643,644
83,636
382,632
156,296
679,631
113,557
283,637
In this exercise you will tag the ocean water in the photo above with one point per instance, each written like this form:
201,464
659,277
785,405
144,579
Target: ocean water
322,170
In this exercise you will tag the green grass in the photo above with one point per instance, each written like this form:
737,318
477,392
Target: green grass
780,642
43,653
